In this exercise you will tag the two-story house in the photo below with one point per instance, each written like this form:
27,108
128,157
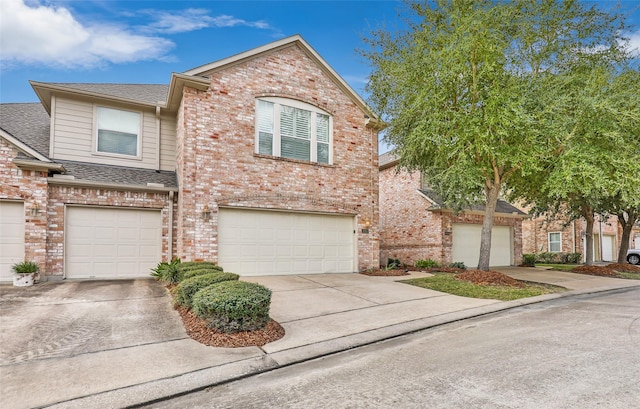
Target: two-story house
414,224
265,162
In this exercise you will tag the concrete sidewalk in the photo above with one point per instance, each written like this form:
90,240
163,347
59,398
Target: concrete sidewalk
322,314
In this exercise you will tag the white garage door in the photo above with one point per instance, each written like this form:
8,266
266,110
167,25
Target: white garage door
257,242
466,245
607,248
11,237
111,242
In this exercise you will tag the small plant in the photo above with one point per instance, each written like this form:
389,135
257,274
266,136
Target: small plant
25,267
233,306
428,263
571,258
546,257
529,260
393,263
189,286
458,264
167,272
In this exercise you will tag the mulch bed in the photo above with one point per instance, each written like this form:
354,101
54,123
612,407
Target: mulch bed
405,272
595,271
625,268
481,277
199,331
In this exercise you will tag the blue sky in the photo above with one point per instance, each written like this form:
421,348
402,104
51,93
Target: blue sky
143,41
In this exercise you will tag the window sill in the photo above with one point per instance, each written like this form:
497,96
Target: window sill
303,162
117,156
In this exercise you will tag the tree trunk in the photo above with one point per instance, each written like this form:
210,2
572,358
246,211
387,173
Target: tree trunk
491,194
588,256
626,220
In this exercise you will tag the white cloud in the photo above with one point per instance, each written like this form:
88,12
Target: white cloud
634,43
52,36
196,19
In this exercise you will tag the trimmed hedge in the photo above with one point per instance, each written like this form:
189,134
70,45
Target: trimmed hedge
199,265
189,286
233,306
200,271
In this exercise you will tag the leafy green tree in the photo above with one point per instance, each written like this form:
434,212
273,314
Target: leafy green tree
465,91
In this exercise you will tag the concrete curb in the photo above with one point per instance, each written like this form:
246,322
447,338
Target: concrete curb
166,388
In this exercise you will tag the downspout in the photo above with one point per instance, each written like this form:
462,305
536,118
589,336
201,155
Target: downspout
573,229
157,137
170,244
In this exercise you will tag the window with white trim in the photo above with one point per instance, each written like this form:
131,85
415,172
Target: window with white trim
555,242
292,129
118,131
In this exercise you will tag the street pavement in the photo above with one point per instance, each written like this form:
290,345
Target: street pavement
80,344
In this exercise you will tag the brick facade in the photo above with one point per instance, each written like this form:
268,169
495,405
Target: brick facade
412,229
218,166
536,235
29,187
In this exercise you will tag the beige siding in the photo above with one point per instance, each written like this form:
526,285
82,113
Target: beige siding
167,143
74,139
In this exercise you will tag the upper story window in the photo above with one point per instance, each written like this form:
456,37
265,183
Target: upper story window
555,242
293,129
118,131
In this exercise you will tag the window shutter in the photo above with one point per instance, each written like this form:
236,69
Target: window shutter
265,127
322,137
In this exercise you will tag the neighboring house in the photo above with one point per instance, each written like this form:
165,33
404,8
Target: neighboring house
558,235
415,226
265,162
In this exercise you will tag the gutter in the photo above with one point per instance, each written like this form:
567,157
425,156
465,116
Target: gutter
155,188
43,166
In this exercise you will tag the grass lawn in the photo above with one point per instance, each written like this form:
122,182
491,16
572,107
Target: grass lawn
561,267
628,275
446,283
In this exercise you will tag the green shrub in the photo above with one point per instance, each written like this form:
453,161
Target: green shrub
201,267
188,273
546,257
428,263
529,260
197,264
458,264
571,258
25,267
393,263
233,306
189,286
167,272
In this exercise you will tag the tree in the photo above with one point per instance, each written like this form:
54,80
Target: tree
465,91
597,165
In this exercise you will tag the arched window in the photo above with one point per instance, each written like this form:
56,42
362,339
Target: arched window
292,129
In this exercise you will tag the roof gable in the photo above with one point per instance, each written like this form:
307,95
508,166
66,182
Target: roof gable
293,41
26,125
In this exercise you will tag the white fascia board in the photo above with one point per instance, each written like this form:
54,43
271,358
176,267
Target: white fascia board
23,147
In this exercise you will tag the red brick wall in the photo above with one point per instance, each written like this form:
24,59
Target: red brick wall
30,187
217,164
410,232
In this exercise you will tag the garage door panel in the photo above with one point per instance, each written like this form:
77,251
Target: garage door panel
111,242
466,244
284,242
11,237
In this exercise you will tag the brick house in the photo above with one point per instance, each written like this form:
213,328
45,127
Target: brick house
415,226
558,235
265,162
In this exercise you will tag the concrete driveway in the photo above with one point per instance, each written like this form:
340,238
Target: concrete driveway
79,344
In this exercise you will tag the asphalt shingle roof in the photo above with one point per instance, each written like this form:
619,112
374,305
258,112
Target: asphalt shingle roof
502,206
118,174
149,93
29,123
